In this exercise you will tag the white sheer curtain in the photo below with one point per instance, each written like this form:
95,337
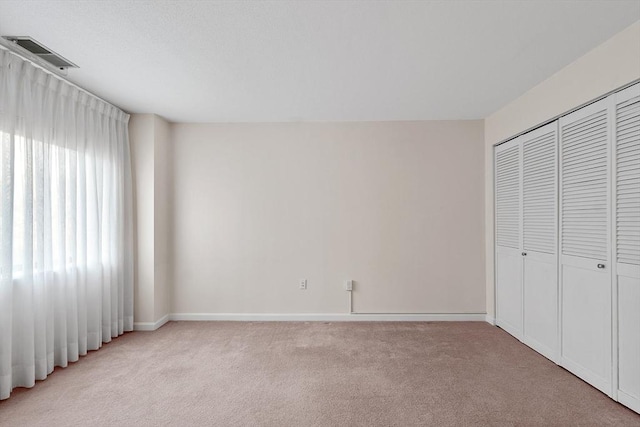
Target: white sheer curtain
66,257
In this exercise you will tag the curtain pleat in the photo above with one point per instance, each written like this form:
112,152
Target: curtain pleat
66,245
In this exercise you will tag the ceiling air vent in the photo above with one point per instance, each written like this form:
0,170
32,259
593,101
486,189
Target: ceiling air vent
36,48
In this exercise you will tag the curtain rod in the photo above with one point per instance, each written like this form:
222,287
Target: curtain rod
46,67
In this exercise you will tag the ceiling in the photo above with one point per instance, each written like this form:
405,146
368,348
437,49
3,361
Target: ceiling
245,61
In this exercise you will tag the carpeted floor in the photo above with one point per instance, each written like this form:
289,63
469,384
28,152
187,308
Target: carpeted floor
314,374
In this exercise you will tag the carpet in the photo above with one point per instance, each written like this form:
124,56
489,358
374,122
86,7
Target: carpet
314,374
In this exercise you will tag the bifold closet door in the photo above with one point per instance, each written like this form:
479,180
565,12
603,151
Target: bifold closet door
627,247
508,161
585,275
540,219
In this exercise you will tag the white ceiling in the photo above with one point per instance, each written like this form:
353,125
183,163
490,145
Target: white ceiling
199,61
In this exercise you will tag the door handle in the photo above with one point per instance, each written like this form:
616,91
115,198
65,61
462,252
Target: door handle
601,266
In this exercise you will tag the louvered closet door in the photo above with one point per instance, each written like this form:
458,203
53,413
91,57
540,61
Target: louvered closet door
627,244
586,337
540,219
508,237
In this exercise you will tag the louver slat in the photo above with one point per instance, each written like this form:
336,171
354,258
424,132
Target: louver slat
539,193
584,187
628,181
508,197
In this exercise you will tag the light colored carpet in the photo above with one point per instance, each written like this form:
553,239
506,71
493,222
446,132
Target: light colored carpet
314,374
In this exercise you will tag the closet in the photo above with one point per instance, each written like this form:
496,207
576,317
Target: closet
567,203
627,244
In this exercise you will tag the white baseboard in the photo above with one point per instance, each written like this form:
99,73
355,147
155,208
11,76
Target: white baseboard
312,317
629,401
490,319
511,330
150,326
331,317
602,384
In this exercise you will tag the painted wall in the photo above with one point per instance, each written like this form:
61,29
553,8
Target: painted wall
142,163
609,66
162,191
150,157
396,206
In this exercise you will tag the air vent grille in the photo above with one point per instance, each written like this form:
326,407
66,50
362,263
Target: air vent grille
38,49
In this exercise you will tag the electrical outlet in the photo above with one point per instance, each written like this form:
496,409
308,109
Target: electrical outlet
303,284
348,285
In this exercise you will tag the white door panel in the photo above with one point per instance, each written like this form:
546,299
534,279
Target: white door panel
508,187
541,305
627,243
585,243
629,339
540,222
586,325
509,292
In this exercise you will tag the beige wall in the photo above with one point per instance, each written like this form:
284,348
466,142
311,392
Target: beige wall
142,161
609,66
150,157
163,189
395,206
